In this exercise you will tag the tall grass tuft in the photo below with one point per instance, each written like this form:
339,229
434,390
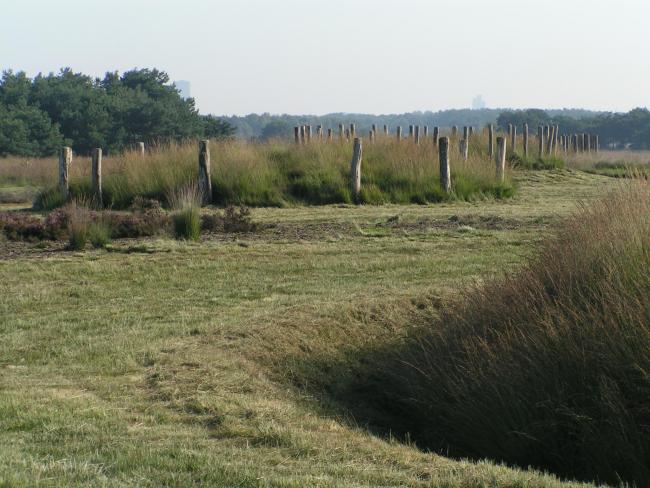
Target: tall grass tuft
79,225
548,366
186,219
279,173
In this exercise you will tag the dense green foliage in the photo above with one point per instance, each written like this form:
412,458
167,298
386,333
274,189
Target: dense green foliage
630,129
39,115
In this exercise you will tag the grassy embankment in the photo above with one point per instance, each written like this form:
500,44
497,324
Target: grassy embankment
179,363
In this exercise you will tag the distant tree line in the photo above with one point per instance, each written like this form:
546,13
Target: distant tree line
266,126
614,130
39,115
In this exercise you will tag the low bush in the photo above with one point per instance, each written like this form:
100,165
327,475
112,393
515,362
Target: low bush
548,366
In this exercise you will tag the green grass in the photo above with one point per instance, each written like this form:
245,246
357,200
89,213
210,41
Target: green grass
281,174
174,363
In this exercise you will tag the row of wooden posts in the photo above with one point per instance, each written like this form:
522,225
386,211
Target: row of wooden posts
548,143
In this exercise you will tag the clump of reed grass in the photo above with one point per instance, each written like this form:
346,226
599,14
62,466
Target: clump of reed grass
79,225
186,218
548,366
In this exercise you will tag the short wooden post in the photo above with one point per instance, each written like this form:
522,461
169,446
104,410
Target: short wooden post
96,175
552,141
371,136
574,143
329,135
411,131
417,135
525,140
303,135
466,132
347,135
140,148
513,139
385,130
399,133
464,149
509,130
436,135
501,158
471,130
353,131
341,132
491,141
587,143
296,134
540,137
426,131
445,173
308,133
65,160
205,183
319,132
355,168
374,128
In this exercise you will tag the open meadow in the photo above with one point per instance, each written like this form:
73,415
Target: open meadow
253,356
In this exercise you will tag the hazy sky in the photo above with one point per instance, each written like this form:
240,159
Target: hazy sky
374,56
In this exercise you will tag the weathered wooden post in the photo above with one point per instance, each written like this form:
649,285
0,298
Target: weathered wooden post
140,148
302,134
509,130
417,135
551,141
574,143
205,183
445,172
347,135
464,149
466,133
374,128
471,130
353,131
355,168
96,176
341,132
65,160
399,133
411,131
296,134
436,135
371,135
513,139
501,158
555,142
454,131
319,132
385,130
587,143
426,131
329,135
540,138
525,140
491,141
308,133
596,144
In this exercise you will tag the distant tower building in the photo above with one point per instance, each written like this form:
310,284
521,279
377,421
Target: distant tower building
183,86
478,103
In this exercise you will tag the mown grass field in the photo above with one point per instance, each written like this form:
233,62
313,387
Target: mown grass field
165,363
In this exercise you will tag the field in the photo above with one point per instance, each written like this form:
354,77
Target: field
163,362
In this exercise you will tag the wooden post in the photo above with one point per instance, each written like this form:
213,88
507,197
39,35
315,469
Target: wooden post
374,128
96,172
341,132
464,149
417,135
355,168
385,129
513,139
426,131
587,143
65,160
540,137
347,135
596,144
525,140
454,131
491,140
353,131
329,135
574,143
471,130
205,183
509,130
501,158
140,147
436,135
445,173
296,134
466,133
319,132
308,133
302,134
411,131
555,141
371,134
399,133
552,141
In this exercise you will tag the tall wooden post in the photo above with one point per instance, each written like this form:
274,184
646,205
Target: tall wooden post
308,133
341,132
296,134
454,131
525,140
501,158
491,140
65,160
445,172
513,139
466,133
353,131
464,149
411,131
303,135
205,183
355,168
140,148
426,131
385,129
436,135
551,141
399,133
596,144
417,135
540,140
96,175
329,135
509,130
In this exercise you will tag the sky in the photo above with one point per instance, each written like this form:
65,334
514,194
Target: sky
362,56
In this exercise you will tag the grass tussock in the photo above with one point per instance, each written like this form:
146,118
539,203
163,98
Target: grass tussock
279,173
186,219
549,366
